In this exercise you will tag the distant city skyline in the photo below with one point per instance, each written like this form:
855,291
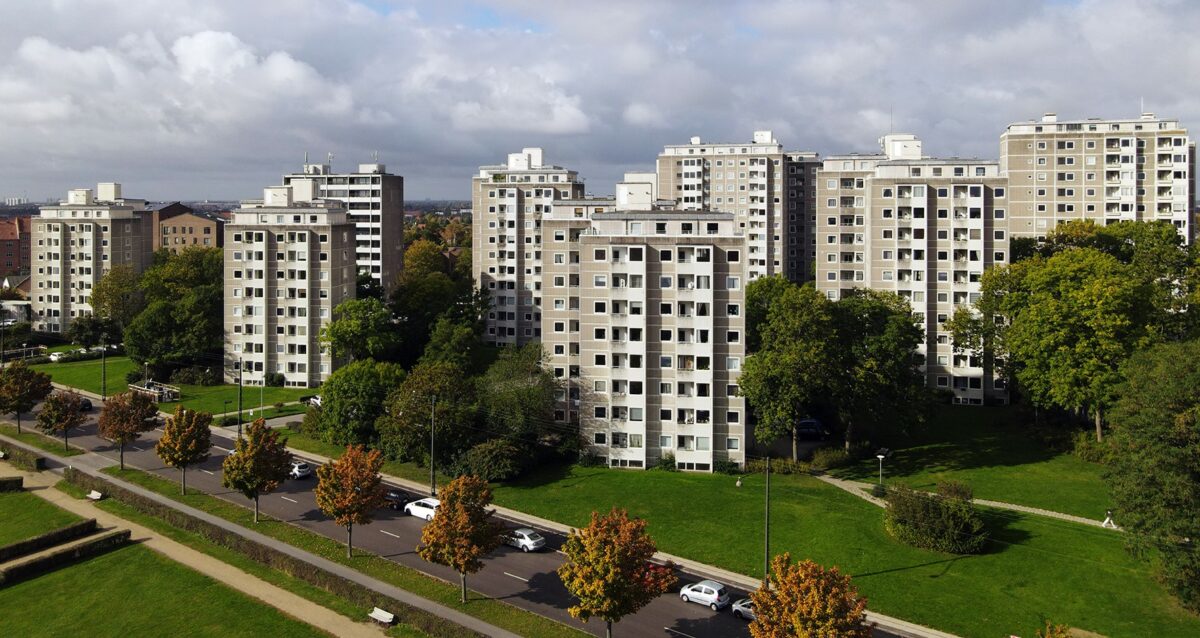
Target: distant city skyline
214,102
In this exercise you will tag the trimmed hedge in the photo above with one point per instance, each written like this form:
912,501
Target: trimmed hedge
92,547
934,521
12,483
275,559
23,458
49,539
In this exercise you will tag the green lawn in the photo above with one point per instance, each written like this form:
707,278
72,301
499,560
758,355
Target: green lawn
993,453
30,435
86,375
491,610
135,592
275,577
410,471
271,413
1039,568
26,515
211,398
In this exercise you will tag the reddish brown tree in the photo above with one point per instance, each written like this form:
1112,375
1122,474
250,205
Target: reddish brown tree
464,529
61,413
259,463
125,417
185,441
804,599
350,489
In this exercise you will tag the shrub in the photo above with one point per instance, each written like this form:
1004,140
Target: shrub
828,458
278,405
588,458
1054,631
294,426
54,537
22,458
666,463
11,484
133,376
229,421
274,558
955,490
1085,446
779,466
878,490
931,521
311,425
726,466
495,460
275,379
196,375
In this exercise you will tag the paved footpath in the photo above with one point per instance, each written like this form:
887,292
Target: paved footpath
863,490
295,606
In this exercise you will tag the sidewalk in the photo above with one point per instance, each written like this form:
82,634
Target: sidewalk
300,608
862,490
91,463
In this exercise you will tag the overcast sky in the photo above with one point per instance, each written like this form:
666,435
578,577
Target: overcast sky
216,99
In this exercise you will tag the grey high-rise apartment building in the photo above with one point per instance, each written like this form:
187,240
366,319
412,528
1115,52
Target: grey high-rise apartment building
1139,169
374,200
923,228
289,261
507,204
74,243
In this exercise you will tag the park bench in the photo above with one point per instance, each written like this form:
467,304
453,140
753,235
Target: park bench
382,616
95,495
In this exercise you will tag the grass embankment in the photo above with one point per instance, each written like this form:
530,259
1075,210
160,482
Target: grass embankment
493,611
401,469
1037,567
90,375
226,555
993,452
30,435
134,591
25,515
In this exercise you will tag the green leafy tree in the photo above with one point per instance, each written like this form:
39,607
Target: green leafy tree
125,417
182,322
1154,473
21,388
795,370
440,390
367,287
608,569
260,463
760,295
61,413
350,489
463,531
806,599
185,441
92,330
117,296
517,395
417,302
422,258
353,399
176,275
149,338
361,329
453,342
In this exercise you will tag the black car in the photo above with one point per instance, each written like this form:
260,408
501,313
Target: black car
397,499
812,430
85,404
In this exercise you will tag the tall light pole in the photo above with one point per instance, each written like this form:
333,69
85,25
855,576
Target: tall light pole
880,457
767,526
239,418
103,371
432,463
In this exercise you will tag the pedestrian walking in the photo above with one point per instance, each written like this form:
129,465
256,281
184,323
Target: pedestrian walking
1108,521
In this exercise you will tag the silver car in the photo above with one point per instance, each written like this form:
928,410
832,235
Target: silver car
525,539
425,508
709,593
300,470
744,609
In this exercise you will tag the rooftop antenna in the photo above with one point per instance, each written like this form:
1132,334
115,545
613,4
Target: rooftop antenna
329,158
891,121
375,156
1143,104
305,157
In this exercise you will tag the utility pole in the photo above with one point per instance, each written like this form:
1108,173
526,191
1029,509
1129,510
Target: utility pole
432,463
239,417
103,371
767,527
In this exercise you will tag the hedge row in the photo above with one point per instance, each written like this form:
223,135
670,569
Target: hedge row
23,458
275,559
64,556
940,522
47,540
12,483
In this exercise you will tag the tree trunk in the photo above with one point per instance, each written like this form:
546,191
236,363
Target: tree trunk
608,628
66,448
1099,429
256,508
849,433
122,456
349,530
183,479
462,581
18,421
795,442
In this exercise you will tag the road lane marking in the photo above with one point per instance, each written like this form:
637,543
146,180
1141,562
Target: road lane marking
287,499
138,448
205,471
524,580
679,633
389,533
223,449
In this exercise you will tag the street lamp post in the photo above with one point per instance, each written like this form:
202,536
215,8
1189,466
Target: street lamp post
767,526
239,400
103,371
432,463
880,457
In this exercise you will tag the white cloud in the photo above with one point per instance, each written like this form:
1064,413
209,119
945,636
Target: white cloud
645,115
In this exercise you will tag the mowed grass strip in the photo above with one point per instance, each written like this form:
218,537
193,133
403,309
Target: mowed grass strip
275,577
134,591
493,611
212,398
89,375
30,435
25,515
401,469
991,450
1038,568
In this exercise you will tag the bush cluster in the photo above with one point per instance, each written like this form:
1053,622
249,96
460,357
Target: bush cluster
666,463
22,458
196,375
588,458
938,522
275,559
828,458
275,379
778,466
78,529
63,556
1085,446
494,460
726,466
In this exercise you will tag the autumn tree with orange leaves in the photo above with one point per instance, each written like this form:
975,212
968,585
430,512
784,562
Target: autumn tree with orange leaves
350,489
185,441
806,600
260,463
125,417
464,529
608,568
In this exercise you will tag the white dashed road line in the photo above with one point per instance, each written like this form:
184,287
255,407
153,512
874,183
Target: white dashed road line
223,449
679,633
206,471
288,499
389,533
524,580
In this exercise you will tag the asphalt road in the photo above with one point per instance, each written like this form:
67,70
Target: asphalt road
525,580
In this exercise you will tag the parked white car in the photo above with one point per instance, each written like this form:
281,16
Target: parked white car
744,609
56,356
525,539
300,470
709,593
424,508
